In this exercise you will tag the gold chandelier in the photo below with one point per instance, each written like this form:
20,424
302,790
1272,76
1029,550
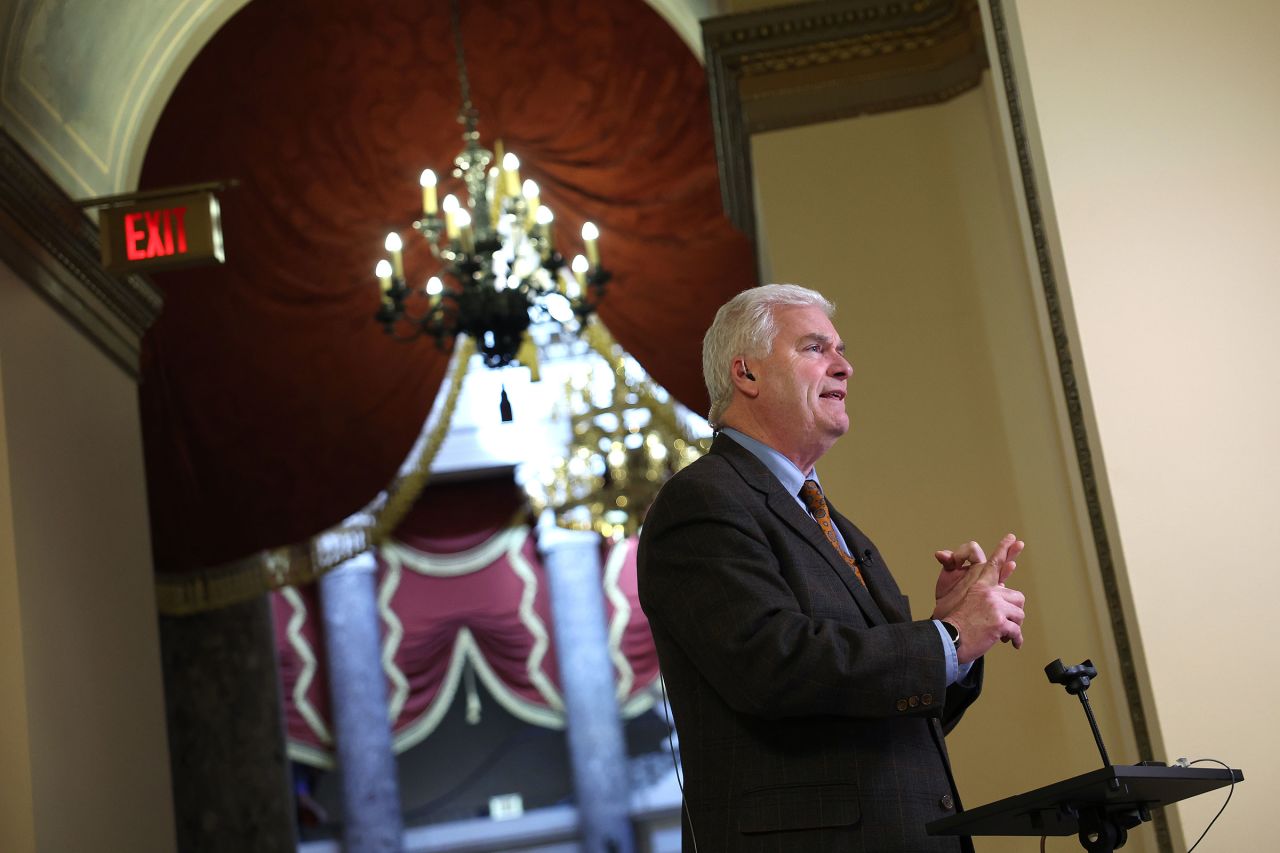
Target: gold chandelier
627,439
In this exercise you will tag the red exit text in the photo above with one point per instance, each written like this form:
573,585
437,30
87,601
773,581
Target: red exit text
168,232
155,233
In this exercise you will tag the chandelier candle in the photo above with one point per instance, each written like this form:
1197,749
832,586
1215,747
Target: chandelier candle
511,174
394,245
530,190
451,216
542,219
383,272
590,234
579,266
428,181
466,236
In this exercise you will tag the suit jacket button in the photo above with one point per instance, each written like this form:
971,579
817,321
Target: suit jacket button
927,699
914,701
946,802
902,704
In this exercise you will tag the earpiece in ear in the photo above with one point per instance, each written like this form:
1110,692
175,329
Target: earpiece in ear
746,371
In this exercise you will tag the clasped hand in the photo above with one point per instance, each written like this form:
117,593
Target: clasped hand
971,594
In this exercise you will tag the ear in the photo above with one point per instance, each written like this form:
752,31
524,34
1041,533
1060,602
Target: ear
743,380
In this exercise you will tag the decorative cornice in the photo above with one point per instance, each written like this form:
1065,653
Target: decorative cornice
50,243
814,62
1075,408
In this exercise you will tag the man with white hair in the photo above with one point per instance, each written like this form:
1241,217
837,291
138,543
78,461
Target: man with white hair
811,708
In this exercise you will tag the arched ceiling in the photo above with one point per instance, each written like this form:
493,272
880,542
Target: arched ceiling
273,405
82,82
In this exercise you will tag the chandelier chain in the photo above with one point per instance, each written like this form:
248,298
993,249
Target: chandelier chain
467,115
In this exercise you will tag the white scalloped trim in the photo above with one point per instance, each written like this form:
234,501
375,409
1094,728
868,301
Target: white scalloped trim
303,649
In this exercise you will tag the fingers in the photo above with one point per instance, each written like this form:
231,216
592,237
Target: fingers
1002,550
1011,559
987,612
970,551
995,570
1014,618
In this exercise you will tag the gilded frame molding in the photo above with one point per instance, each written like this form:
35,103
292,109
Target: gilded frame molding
1074,405
832,59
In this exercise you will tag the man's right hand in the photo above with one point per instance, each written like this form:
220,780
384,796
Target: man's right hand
977,602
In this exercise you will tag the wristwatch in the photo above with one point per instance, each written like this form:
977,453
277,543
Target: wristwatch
953,632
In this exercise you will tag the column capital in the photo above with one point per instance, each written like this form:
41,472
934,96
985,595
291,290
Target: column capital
364,562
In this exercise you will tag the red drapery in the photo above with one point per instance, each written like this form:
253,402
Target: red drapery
461,586
273,405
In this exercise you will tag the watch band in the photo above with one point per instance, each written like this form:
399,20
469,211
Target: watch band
952,631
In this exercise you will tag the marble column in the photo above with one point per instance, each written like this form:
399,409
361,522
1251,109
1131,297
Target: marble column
372,822
597,749
231,787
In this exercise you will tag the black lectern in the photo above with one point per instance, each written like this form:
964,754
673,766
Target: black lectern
1101,806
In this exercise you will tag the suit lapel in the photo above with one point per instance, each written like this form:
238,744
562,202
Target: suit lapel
883,588
783,505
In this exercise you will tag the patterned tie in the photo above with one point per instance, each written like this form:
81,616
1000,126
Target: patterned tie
817,504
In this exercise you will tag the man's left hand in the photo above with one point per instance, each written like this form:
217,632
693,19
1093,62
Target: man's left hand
955,566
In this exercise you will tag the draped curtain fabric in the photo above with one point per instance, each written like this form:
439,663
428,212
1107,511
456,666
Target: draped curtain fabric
273,405
461,588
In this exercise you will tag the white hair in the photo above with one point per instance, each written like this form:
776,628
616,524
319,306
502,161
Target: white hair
744,327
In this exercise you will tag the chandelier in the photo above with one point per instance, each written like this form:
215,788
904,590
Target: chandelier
627,436
502,271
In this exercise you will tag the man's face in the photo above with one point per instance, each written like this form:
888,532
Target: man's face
802,385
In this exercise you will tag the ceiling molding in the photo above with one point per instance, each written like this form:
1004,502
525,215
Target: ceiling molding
52,245
833,59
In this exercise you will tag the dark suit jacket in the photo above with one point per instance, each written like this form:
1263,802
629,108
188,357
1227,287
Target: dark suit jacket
810,710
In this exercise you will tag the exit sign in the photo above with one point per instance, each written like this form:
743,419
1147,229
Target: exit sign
161,234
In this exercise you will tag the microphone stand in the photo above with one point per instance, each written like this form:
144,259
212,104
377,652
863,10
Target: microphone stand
1099,807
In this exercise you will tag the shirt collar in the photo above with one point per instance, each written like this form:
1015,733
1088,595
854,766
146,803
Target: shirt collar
791,477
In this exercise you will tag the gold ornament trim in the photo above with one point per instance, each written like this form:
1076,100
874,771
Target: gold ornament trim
791,66
608,491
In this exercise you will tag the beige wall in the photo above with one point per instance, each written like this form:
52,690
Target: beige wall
83,754
908,221
17,827
1160,153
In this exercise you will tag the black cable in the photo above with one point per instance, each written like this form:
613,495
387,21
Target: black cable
684,804
1230,791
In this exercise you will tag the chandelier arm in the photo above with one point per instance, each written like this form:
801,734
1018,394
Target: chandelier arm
418,320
